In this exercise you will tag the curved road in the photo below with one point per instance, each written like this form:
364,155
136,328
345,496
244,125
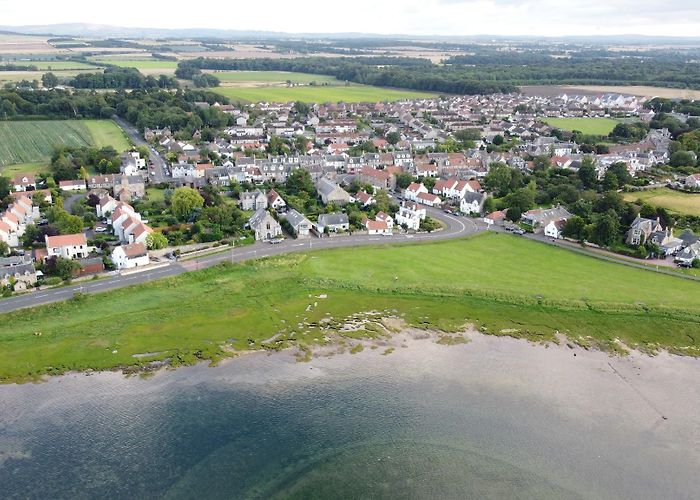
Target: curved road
455,227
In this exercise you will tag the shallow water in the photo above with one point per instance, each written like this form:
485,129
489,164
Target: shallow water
429,421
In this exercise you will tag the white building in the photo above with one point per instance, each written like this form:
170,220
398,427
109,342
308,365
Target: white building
68,246
131,255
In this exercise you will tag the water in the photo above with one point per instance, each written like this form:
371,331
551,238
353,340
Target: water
426,422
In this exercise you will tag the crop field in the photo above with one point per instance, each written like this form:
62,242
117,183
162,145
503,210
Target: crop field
146,66
34,141
502,284
684,203
60,65
592,126
321,93
252,77
16,76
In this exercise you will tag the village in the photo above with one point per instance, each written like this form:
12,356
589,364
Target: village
342,170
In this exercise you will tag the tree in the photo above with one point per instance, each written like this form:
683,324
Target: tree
156,241
5,187
619,168
49,80
429,224
498,140
299,181
523,199
606,228
4,249
393,138
683,159
498,179
513,214
575,228
184,202
31,234
62,267
403,180
610,182
587,173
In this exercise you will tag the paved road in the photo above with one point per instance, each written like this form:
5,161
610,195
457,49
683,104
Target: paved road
71,200
455,227
138,140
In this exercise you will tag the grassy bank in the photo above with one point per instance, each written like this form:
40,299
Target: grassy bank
683,203
503,284
592,126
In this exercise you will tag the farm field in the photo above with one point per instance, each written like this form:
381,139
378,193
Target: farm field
146,66
592,126
34,141
684,203
323,93
16,76
300,299
251,77
23,168
60,65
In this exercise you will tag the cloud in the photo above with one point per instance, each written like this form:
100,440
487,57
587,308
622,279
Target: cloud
420,17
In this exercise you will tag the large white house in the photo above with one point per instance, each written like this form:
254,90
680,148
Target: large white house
68,246
413,190
410,214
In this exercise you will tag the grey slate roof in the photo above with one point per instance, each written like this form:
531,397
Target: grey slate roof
332,219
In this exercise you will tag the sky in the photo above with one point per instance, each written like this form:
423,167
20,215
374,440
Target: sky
419,17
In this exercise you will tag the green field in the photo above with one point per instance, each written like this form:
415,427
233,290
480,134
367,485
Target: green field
272,77
591,126
17,76
323,93
140,64
61,65
684,203
34,141
503,284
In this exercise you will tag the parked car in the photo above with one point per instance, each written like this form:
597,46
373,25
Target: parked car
274,241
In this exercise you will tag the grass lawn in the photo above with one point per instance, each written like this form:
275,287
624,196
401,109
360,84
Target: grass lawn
34,141
503,284
155,194
684,203
330,93
592,126
272,77
24,168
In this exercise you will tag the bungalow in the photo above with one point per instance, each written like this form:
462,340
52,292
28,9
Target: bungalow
431,200
472,203
364,198
495,217
542,216
69,246
413,190
301,226
264,225
331,192
275,201
332,223
131,255
253,200
77,185
24,182
689,253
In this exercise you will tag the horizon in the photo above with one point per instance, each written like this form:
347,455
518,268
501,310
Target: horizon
430,18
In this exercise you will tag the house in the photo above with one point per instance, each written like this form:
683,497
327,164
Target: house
332,223
330,192
413,190
253,200
77,185
275,201
106,206
410,214
378,179
693,181
364,199
129,187
641,229
429,199
384,217
496,217
554,228
139,233
24,182
472,203
68,246
17,272
689,254
301,226
542,216
131,255
264,225
377,227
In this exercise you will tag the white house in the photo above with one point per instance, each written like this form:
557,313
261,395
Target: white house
131,255
554,228
384,217
377,227
413,190
410,214
428,199
68,246
106,206
78,185
472,203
